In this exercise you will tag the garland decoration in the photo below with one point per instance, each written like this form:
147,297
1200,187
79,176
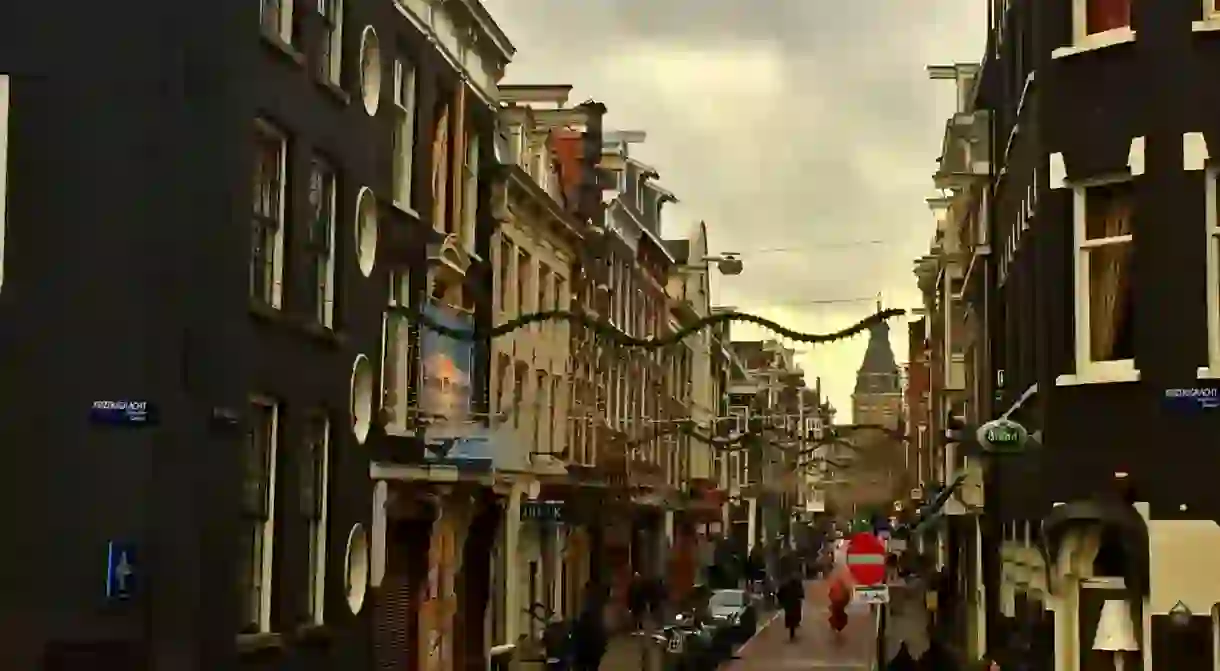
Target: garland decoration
606,330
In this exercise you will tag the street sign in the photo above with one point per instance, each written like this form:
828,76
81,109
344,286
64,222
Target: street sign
1193,398
871,594
1002,436
866,559
123,413
542,511
120,570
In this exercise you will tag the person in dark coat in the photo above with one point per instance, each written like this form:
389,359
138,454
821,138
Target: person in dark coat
935,658
791,598
637,599
902,660
589,636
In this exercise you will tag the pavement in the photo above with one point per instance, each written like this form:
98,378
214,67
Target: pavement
816,646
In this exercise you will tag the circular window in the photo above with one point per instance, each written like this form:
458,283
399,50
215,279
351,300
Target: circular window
366,231
362,398
356,568
370,70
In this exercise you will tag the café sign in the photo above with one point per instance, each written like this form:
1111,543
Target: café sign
1002,436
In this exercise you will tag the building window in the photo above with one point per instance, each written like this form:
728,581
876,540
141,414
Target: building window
508,254
1104,305
320,241
258,516
555,417
404,131
440,168
503,372
330,47
315,465
395,354
267,229
523,276
1101,22
1213,269
1211,10
521,371
470,188
543,290
542,409
276,19
4,104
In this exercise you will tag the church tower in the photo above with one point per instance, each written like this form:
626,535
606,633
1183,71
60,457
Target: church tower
878,395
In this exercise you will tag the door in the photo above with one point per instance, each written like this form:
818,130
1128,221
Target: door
396,615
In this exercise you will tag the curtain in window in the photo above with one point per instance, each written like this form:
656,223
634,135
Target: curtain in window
1106,15
440,170
1110,282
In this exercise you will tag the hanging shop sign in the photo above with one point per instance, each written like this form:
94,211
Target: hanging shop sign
1003,436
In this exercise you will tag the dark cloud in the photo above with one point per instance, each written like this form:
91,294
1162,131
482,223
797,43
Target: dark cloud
798,124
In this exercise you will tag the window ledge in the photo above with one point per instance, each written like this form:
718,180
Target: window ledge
1096,41
333,89
283,48
1208,373
258,642
1208,25
1099,375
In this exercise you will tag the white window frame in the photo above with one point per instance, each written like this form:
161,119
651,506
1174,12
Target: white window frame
334,40
1211,13
318,534
395,373
267,556
470,190
1081,39
1212,199
284,29
1087,370
264,127
5,101
325,311
405,101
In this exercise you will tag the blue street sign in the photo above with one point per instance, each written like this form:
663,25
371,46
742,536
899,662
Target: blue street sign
1193,398
123,412
120,571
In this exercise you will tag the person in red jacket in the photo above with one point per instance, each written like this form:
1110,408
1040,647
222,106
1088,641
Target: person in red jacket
840,596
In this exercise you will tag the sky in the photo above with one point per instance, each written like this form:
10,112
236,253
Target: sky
806,126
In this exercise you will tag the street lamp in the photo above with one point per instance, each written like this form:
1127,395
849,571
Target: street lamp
728,263
1180,615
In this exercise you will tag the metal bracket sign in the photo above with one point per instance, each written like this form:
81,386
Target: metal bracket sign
1003,436
871,594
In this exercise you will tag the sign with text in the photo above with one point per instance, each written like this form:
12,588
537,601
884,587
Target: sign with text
1193,398
1002,435
542,511
871,594
126,412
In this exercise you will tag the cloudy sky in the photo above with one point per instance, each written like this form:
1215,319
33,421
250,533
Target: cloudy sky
808,126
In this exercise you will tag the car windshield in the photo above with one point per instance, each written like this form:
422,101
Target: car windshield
732,598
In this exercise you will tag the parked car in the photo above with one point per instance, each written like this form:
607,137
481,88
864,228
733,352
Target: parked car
735,611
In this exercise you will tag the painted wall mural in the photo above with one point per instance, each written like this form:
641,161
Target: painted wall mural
453,434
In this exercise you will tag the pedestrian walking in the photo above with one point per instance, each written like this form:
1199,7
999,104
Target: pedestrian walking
637,600
791,597
589,636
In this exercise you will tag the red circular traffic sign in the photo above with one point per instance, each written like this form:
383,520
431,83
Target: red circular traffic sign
866,559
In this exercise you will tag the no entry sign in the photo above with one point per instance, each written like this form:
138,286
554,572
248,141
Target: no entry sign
866,559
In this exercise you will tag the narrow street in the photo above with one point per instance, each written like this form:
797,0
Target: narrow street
816,647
